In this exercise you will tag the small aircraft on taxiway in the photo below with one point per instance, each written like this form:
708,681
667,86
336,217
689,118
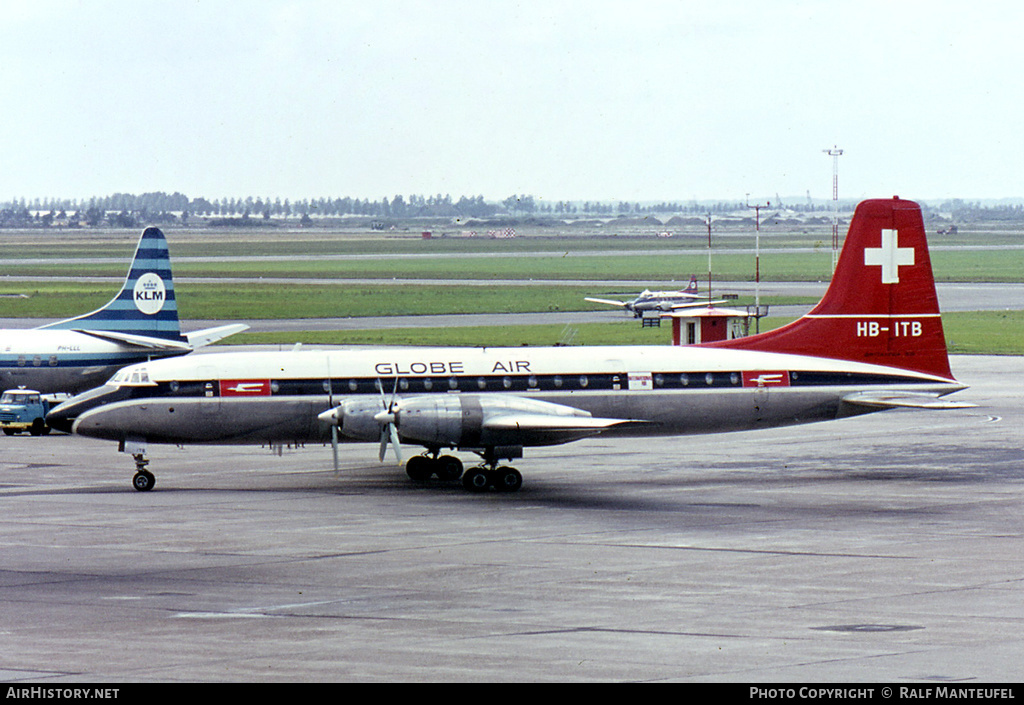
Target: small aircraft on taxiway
875,341
661,301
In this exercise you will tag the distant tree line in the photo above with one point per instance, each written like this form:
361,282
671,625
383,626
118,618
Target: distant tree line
962,211
131,210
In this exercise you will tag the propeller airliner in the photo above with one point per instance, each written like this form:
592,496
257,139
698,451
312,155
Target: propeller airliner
660,301
139,324
875,341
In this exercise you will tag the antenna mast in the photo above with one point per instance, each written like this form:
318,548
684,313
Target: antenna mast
757,258
835,153
708,220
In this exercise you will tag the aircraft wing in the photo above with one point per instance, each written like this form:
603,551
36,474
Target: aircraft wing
904,400
550,422
207,336
697,304
138,341
606,301
453,420
546,429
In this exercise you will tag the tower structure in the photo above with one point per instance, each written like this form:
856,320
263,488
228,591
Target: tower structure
835,153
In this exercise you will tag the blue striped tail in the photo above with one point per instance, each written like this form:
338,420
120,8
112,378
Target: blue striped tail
146,304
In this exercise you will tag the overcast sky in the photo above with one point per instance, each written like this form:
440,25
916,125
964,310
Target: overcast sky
559,99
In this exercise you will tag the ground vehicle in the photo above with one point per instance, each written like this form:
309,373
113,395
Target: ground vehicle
25,410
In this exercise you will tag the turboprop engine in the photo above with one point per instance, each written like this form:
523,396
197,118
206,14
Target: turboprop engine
354,418
466,421
473,421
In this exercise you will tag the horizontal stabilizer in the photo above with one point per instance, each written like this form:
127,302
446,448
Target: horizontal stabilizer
904,400
208,336
139,341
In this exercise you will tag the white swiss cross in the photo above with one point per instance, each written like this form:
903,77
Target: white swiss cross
890,256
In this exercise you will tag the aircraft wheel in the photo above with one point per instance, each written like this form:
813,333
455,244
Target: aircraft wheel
143,481
507,480
449,467
476,480
419,468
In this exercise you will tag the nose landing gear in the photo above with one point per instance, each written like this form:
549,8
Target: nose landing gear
144,479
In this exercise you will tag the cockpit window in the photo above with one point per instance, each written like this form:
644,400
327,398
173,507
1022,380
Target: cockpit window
131,377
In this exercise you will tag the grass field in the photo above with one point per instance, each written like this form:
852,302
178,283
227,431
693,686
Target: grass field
274,301
949,266
545,255
986,332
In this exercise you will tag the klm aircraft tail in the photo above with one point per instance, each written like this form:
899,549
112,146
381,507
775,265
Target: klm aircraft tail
145,306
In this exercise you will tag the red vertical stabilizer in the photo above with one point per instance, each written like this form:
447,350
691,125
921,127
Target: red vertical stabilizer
881,306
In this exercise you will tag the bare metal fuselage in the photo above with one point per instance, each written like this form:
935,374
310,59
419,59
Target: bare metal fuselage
277,397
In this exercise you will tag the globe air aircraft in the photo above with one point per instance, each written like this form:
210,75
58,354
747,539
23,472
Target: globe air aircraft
139,324
874,342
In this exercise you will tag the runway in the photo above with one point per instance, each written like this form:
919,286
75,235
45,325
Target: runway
883,548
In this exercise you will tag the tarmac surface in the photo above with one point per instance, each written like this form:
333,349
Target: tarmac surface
882,548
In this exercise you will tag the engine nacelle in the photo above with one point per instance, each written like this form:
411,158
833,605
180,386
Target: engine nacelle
462,421
466,421
354,417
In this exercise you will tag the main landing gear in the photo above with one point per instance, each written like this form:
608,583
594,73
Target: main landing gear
144,479
487,475
483,477
420,468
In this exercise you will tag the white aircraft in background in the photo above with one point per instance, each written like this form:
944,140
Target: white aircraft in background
649,300
139,324
875,341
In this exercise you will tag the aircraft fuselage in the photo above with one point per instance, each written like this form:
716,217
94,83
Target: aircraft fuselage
277,397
